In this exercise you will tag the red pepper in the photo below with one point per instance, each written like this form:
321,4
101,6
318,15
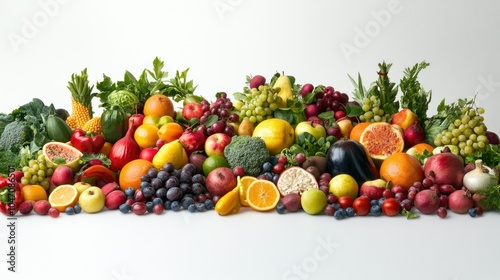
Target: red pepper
10,196
85,143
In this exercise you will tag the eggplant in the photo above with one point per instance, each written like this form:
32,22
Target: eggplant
347,156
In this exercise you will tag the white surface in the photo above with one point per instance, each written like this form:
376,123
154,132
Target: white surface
303,38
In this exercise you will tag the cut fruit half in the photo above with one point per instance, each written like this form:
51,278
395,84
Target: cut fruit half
57,153
246,181
296,180
63,196
262,195
382,139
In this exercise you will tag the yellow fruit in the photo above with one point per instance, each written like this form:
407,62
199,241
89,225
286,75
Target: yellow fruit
170,131
172,152
245,183
246,127
343,185
146,135
263,195
63,196
33,192
285,86
276,133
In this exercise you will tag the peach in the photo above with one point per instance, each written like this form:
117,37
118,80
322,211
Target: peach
404,118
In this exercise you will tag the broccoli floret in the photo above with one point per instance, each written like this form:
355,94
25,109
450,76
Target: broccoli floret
248,152
15,135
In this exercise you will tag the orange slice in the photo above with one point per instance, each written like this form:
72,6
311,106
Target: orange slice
382,139
295,180
263,195
245,183
63,196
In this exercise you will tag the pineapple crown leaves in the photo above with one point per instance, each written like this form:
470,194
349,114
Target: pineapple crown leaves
80,89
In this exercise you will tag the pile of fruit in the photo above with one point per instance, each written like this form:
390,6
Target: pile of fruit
274,146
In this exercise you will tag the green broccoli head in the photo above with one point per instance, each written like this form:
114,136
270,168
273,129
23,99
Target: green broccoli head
15,135
248,152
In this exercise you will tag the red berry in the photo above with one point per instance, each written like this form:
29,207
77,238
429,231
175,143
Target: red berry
53,212
442,212
278,168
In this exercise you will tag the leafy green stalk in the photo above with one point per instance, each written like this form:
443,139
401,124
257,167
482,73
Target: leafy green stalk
414,97
385,90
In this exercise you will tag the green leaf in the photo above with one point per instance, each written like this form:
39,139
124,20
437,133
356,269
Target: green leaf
239,96
354,110
210,120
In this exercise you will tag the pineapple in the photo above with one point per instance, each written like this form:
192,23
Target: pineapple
81,100
93,126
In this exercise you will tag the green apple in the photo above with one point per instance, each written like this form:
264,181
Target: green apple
92,200
313,201
315,129
81,186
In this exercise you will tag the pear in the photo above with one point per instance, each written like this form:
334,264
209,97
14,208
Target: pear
285,86
172,152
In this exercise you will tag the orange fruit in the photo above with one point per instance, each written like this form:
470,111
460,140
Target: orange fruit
357,130
245,183
63,196
106,148
263,195
170,131
33,192
401,169
421,147
130,174
381,140
146,135
159,105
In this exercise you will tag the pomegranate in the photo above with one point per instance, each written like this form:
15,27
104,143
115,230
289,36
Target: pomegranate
445,168
460,201
427,201
492,138
414,134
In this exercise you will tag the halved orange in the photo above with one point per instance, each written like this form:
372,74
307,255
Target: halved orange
421,147
63,196
382,139
245,183
263,195
357,130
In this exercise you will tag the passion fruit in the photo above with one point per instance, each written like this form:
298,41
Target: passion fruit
59,153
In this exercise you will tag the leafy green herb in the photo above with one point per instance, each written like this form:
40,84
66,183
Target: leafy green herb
414,97
88,157
490,155
490,197
445,115
8,159
409,215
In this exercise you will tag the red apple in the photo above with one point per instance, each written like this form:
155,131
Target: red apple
192,141
257,81
306,88
136,119
315,119
62,175
160,142
373,189
148,153
312,110
215,144
492,138
192,110
220,181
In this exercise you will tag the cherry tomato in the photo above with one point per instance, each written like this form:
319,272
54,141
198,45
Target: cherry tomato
345,201
361,206
391,207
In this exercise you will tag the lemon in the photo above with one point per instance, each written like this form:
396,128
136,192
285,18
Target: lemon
172,152
343,185
276,133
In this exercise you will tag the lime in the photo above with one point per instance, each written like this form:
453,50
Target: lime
342,185
213,162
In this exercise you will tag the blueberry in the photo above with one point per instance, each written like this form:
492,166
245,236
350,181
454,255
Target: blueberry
375,210
273,160
175,206
129,192
209,204
473,212
192,208
157,200
167,205
77,209
201,207
144,185
336,205
381,200
374,202
124,208
186,201
349,211
267,167
70,210
281,209
149,206
338,215
342,212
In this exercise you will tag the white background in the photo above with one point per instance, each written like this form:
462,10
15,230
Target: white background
43,42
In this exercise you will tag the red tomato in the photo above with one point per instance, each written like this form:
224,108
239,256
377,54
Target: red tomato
391,207
345,201
361,206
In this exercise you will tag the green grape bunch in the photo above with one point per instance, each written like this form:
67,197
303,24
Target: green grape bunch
37,171
257,104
